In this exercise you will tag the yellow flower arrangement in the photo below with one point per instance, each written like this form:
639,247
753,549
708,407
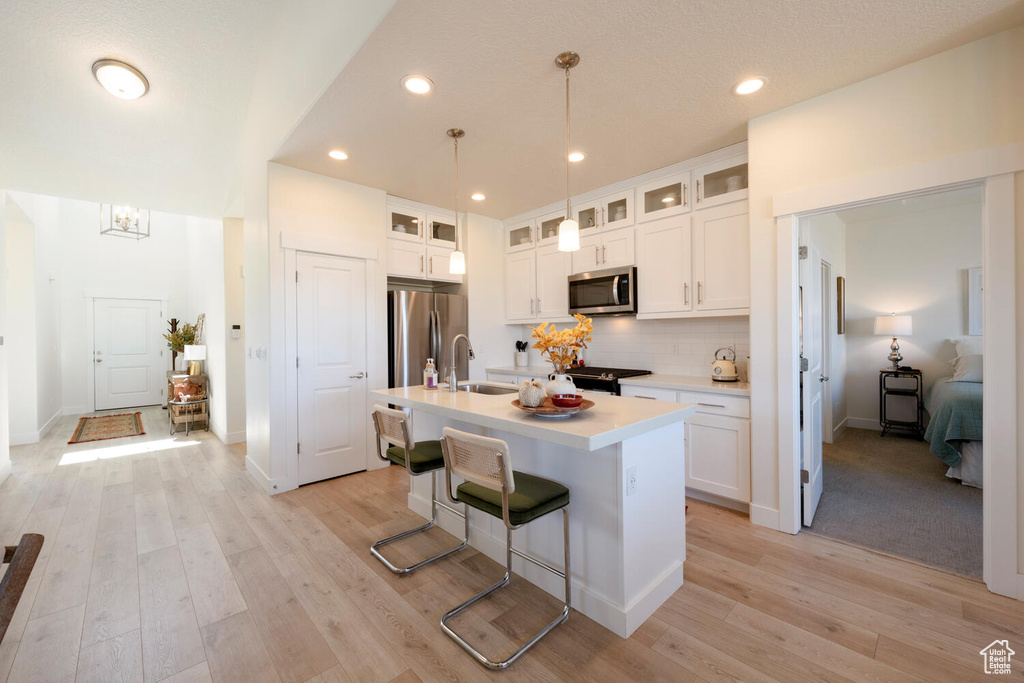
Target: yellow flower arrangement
561,346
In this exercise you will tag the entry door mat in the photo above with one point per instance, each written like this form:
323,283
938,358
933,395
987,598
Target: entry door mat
107,427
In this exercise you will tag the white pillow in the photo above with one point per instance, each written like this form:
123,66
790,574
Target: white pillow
969,368
968,346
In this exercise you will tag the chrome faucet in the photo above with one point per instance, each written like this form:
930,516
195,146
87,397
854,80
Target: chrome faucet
453,378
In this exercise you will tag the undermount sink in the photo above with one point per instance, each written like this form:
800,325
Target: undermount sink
490,389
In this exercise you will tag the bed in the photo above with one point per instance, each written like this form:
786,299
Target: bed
954,433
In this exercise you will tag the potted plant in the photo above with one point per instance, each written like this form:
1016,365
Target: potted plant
560,347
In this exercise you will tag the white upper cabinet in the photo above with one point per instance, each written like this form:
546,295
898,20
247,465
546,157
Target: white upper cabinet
441,230
547,227
720,183
608,213
406,224
521,286
438,264
553,268
664,266
521,236
611,249
721,242
669,196
407,259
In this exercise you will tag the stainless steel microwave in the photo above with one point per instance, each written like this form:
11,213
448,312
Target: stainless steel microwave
603,292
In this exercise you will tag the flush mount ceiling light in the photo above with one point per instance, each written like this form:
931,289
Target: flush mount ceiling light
457,261
577,156
418,85
478,196
568,230
750,85
337,154
120,79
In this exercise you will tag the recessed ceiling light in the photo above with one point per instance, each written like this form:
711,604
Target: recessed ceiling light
751,85
120,79
417,85
478,197
577,156
337,154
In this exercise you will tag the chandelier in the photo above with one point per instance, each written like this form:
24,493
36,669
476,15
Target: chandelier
124,221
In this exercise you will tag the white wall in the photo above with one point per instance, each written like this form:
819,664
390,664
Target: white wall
925,277
21,320
5,457
959,101
234,349
205,273
493,340
828,233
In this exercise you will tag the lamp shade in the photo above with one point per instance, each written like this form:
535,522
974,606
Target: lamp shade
457,263
195,352
894,325
568,235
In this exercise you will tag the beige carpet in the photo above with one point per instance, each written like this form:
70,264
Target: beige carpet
890,494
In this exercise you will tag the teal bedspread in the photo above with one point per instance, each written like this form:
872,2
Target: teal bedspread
955,409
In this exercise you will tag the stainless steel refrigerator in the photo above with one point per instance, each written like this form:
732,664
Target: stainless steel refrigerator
422,325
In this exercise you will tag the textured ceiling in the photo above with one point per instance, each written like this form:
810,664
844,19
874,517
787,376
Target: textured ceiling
903,207
653,87
174,149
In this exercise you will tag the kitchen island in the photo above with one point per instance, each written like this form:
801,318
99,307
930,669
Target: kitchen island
623,463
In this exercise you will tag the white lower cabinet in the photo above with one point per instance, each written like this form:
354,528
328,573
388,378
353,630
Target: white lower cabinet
717,448
718,456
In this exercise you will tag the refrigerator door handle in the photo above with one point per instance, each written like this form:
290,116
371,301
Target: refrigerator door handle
432,343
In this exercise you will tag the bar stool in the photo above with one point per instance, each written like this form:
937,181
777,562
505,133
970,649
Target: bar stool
420,458
516,498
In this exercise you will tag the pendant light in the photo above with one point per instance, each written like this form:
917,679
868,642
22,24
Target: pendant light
457,262
568,230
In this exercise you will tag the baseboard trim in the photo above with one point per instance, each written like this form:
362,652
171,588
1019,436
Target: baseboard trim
259,475
233,437
5,469
840,429
1020,577
728,503
764,516
863,423
23,438
75,410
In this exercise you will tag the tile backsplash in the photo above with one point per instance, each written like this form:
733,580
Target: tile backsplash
674,347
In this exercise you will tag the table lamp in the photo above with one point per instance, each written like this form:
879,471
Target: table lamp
195,354
892,326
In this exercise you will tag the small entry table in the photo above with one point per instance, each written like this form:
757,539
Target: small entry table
189,407
885,390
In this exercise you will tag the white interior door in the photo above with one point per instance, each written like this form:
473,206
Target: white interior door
127,359
331,343
813,381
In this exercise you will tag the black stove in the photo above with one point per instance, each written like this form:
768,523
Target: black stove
591,378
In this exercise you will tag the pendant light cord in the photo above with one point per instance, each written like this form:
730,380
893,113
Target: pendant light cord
456,194
568,210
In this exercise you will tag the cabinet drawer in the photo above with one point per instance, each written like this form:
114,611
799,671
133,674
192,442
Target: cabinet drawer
716,404
649,392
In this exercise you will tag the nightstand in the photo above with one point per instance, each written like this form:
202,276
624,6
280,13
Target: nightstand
899,391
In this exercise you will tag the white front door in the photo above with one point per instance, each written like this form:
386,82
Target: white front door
127,359
813,379
331,342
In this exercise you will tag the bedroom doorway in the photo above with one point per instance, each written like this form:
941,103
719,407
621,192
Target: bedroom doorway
876,477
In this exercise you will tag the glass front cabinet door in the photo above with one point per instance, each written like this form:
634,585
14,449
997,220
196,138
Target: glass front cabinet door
607,213
720,183
520,236
666,197
548,227
406,224
441,230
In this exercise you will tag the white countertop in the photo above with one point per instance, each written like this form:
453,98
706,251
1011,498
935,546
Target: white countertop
612,419
684,383
657,380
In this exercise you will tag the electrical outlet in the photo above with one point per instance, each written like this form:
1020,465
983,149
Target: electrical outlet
631,481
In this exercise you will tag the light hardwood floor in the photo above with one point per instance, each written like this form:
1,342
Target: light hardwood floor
171,564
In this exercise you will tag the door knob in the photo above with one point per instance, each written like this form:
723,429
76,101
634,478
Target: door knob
823,378
99,360
358,375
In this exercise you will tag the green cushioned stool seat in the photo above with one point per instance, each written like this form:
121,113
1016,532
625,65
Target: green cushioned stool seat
533,497
426,456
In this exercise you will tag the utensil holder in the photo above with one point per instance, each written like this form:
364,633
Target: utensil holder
522,359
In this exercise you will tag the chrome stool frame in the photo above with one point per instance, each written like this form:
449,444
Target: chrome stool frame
499,476
387,423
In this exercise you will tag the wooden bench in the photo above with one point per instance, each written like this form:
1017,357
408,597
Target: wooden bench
21,559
